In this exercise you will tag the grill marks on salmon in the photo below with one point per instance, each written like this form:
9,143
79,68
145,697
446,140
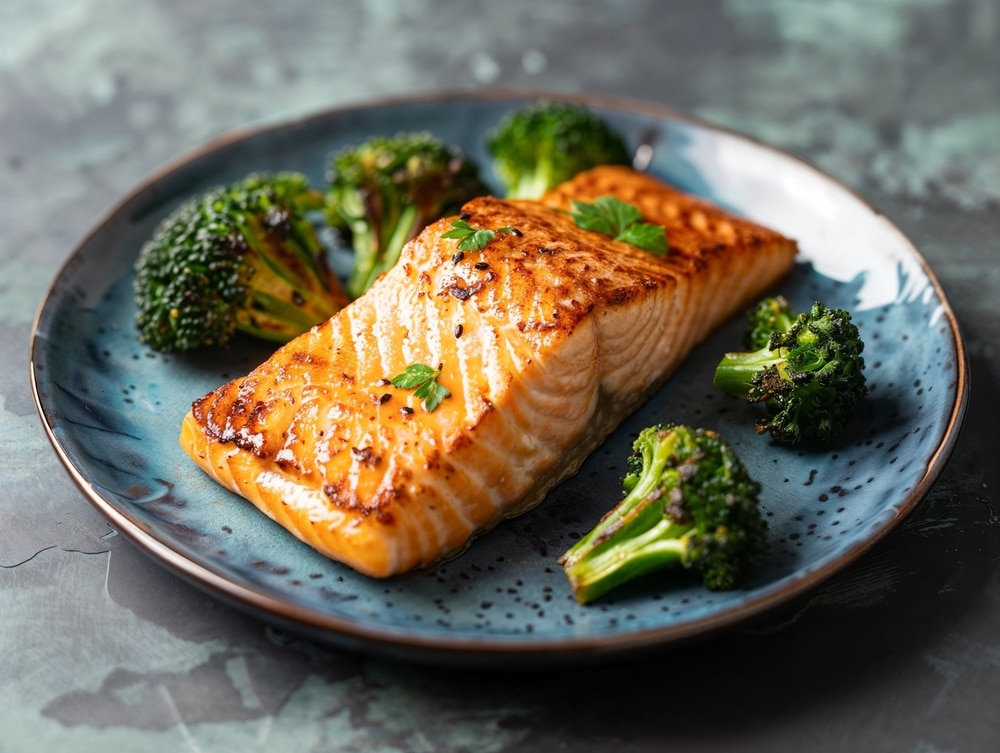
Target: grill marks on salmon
547,340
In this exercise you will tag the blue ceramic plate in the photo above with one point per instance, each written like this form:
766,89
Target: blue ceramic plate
112,409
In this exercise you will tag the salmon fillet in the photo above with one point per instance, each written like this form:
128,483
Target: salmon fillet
547,339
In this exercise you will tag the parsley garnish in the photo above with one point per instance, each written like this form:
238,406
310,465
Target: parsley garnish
424,380
473,238
621,221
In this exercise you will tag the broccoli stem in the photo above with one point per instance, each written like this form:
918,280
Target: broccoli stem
655,457
369,261
365,241
289,261
533,184
636,536
735,373
270,317
402,230
644,542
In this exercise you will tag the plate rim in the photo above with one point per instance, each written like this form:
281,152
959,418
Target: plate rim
489,651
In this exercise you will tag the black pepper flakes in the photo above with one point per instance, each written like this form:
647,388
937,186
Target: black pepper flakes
459,329
385,398
457,257
406,410
482,265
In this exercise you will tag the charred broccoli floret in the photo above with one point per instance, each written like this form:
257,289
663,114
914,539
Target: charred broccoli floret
809,375
771,314
386,189
689,503
243,257
541,145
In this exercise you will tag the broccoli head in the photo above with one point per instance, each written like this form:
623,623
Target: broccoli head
689,504
385,190
243,257
541,145
809,375
769,314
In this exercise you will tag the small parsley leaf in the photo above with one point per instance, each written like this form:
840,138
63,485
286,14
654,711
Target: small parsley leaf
621,221
423,379
646,236
414,376
607,215
469,238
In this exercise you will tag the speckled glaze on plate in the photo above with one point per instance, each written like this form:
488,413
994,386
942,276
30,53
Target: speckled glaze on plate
112,410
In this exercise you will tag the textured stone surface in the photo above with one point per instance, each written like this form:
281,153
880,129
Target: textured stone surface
99,649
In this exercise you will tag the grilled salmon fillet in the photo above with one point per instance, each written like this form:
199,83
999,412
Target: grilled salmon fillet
546,339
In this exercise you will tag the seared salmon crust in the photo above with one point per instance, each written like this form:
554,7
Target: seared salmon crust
546,339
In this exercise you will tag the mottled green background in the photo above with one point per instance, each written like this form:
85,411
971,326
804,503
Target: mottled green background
100,650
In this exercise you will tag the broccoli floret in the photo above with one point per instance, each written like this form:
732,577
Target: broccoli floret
809,375
541,145
243,257
690,504
386,189
769,315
